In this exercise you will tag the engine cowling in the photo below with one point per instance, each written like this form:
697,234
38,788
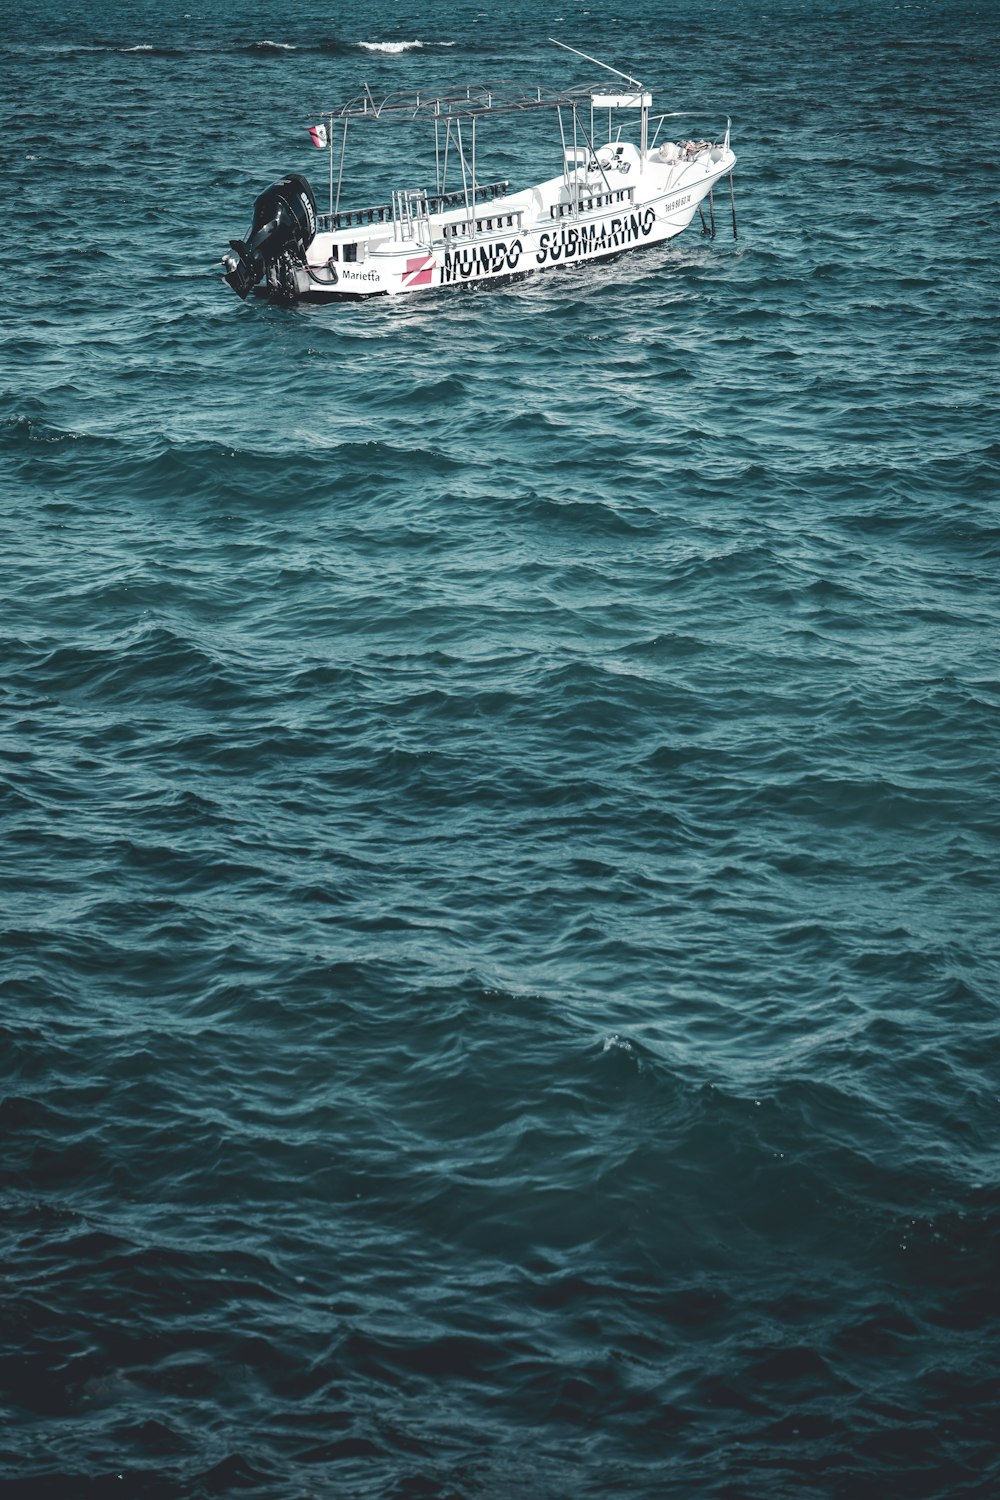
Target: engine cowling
284,223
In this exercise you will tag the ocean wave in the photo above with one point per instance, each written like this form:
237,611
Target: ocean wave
207,470
333,46
391,47
139,49
394,48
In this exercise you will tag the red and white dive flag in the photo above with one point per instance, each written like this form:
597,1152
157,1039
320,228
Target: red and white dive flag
419,270
319,136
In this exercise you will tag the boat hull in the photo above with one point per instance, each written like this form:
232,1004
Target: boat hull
406,266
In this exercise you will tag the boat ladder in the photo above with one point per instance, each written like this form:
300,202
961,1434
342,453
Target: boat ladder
410,215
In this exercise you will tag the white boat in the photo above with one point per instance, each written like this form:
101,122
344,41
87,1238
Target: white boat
612,195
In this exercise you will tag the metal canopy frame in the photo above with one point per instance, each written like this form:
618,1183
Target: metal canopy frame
453,107
500,97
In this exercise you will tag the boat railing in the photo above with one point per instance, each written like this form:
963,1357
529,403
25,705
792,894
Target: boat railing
587,203
485,193
350,218
381,213
488,224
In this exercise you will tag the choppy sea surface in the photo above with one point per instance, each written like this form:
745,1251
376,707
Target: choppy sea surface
499,902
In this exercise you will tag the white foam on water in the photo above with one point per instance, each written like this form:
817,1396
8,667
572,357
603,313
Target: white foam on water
393,47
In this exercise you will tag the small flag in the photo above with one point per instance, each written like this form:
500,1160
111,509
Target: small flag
319,136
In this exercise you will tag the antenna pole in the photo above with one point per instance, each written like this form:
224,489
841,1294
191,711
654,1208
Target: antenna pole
587,58
340,178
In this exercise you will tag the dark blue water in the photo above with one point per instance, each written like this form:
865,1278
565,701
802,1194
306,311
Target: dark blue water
500,792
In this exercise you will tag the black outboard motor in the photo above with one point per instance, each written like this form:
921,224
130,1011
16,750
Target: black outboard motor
284,223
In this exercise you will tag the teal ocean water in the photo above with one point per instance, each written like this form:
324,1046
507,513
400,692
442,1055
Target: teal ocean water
498,910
